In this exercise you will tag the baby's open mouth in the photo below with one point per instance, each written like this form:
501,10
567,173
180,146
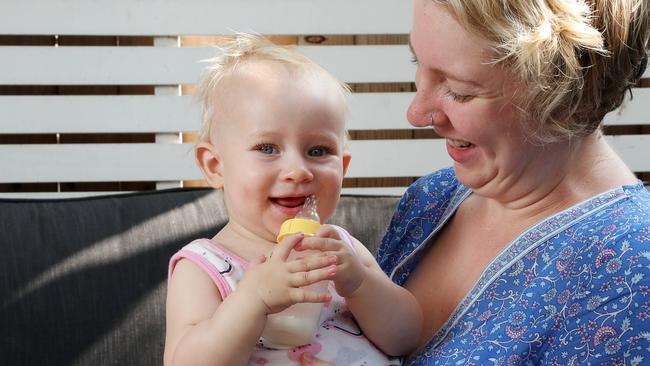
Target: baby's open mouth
290,202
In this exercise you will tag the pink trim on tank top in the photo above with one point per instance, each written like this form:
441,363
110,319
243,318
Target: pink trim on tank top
218,279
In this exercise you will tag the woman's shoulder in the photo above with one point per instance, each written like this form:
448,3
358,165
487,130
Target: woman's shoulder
432,190
639,199
627,223
422,207
429,195
617,218
443,180
629,215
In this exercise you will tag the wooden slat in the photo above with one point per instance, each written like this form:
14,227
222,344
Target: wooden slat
150,113
204,17
100,65
155,162
164,113
98,114
379,111
96,162
169,65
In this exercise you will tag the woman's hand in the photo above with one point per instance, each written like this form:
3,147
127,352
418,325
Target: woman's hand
275,282
306,359
350,271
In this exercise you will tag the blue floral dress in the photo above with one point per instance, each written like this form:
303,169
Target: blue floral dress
572,290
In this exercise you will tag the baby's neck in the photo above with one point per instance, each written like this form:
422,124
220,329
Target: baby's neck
242,242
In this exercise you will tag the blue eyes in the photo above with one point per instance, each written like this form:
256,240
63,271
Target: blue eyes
317,151
267,149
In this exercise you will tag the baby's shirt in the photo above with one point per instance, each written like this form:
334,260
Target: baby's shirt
338,340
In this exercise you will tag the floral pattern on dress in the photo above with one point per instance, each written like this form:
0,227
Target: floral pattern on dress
572,290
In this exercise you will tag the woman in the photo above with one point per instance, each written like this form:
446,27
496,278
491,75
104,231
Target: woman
534,248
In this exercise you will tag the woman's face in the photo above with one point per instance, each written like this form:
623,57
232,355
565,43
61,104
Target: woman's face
469,102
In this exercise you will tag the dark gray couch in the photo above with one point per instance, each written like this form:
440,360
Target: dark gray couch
83,280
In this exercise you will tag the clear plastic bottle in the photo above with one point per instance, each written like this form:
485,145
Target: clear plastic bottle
297,324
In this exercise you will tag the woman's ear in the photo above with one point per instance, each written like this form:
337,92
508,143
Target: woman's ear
346,161
209,161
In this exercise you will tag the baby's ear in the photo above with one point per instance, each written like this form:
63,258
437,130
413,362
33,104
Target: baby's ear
209,161
346,161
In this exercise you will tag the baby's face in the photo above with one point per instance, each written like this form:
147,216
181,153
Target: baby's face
280,137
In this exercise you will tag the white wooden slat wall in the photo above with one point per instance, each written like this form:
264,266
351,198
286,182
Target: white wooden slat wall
98,114
167,66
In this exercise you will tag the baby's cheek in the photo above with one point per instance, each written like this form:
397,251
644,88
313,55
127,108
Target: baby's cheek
312,348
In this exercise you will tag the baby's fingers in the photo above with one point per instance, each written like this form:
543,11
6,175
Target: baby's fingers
283,248
329,231
321,244
301,279
310,263
299,295
257,260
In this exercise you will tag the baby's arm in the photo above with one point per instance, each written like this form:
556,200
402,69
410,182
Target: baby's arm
389,315
203,329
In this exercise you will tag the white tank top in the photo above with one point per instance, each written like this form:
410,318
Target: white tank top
338,340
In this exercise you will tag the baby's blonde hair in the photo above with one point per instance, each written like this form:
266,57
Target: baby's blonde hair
576,58
240,49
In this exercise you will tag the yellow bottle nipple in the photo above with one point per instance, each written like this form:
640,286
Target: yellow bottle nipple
306,221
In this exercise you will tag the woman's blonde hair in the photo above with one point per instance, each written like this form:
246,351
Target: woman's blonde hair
576,58
241,48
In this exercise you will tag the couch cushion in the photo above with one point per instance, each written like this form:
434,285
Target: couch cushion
83,280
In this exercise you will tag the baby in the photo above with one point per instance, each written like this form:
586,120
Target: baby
274,134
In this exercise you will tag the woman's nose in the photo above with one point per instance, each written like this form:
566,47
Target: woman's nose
424,110
416,113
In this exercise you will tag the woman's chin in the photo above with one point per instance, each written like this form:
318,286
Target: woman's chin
471,178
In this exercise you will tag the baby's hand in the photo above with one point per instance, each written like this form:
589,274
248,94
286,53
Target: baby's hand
350,271
276,282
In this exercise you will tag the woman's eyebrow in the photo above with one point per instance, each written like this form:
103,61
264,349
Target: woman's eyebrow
447,74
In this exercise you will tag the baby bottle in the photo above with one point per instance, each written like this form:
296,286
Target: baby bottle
297,324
